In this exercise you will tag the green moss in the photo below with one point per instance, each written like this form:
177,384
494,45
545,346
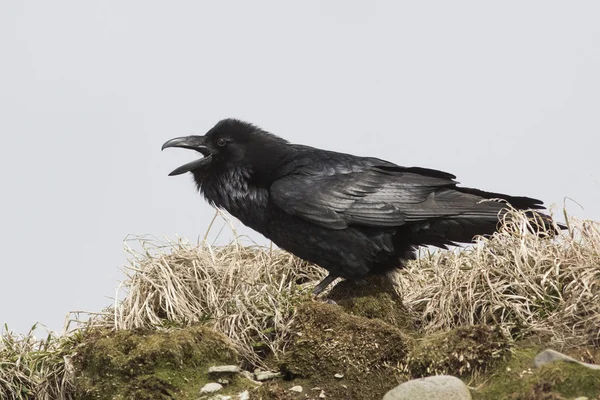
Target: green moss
458,352
149,364
374,297
368,352
518,379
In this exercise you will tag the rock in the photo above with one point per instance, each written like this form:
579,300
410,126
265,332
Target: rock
338,376
219,397
297,389
223,381
224,369
245,395
322,394
582,398
265,375
248,375
549,356
211,388
430,388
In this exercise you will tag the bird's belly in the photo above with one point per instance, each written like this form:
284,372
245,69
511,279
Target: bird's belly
347,253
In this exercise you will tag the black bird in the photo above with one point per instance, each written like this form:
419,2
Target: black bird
352,215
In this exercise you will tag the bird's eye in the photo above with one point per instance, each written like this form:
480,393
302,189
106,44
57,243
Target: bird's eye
221,142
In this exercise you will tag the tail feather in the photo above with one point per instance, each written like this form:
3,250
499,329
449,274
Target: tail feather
453,231
518,202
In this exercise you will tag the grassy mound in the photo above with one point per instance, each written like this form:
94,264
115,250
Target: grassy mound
462,312
248,293
148,364
460,351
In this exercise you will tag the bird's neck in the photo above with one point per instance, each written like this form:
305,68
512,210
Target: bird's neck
234,191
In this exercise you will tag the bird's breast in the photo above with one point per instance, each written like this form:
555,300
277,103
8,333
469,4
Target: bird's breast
234,193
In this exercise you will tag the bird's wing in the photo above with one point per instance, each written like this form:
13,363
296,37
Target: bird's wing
341,191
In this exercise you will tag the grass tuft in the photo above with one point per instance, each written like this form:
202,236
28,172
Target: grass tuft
525,283
36,369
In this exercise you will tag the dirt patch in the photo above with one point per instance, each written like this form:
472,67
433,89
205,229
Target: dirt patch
375,297
347,356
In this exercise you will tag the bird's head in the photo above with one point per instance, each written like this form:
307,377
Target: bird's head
230,143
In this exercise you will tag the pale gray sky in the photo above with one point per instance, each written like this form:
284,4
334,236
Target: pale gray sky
506,95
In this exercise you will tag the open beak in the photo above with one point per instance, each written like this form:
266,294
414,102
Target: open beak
197,143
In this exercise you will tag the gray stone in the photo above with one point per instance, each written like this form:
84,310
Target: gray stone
245,395
430,388
224,369
266,375
248,375
549,356
219,397
211,388
297,389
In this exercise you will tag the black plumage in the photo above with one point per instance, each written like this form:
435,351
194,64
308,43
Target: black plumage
352,215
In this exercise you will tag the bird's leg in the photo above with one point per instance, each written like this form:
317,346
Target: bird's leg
323,284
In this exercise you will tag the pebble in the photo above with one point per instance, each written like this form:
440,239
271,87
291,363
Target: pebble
211,388
223,381
322,394
224,369
548,356
245,395
297,389
266,375
338,376
248,375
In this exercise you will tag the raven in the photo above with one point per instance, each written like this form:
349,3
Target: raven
351,215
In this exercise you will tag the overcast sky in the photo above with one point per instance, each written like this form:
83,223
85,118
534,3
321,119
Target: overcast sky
506,95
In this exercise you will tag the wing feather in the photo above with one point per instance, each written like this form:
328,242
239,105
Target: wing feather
338,192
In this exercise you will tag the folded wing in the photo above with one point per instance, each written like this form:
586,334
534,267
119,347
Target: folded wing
337,193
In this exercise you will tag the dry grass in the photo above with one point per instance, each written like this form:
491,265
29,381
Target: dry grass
523,282
35,369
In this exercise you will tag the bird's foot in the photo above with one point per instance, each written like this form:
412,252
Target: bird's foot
323,284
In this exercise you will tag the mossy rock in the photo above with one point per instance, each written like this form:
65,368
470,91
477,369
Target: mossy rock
518,379
367,352
149,364
458,352
374,297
